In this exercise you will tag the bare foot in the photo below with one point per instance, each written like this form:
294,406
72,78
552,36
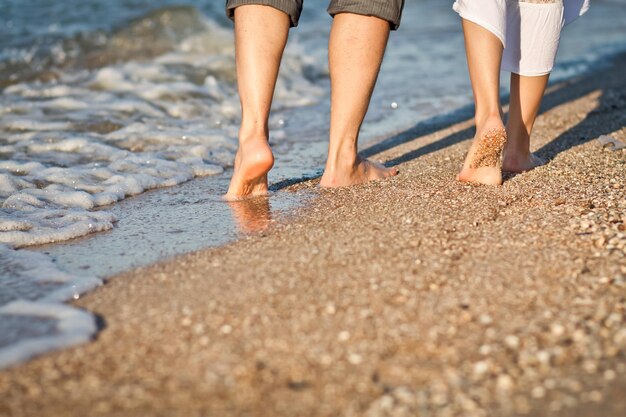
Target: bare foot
357,172
253,161
520,162
483,162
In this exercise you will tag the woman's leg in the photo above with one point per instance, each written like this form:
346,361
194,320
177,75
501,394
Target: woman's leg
484,54
355,52
526,95
260,37
533,35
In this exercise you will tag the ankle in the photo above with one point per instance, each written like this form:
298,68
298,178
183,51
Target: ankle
518,140
486,119
345,156
252,139
253,131
513,153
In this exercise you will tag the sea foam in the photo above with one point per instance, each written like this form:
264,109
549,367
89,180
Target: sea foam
93,137
33,318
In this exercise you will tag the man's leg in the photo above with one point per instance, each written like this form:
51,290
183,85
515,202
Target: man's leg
526,95
260,37
355,52
484,54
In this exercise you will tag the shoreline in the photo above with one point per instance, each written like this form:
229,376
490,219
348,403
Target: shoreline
149,229
415,294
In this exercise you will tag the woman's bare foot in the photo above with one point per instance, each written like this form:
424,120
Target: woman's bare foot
347,172
253,161
483,162
518,162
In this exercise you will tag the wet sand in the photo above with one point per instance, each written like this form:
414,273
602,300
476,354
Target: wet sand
416,295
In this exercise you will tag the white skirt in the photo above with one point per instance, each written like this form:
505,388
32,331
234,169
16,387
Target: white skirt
530,30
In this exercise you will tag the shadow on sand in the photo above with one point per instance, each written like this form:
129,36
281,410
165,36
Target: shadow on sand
604,80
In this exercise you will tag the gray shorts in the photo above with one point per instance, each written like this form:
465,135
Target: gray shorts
389,10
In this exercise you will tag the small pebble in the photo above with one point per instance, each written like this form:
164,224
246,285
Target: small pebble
609,375
557,329
355,359
511,341
505,383
538,392
485,319
595,396
343,336
330,309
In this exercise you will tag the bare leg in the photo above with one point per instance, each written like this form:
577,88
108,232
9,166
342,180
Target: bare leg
260,37
484,54
526,95
355,52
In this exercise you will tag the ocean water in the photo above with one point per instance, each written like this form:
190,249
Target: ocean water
103,101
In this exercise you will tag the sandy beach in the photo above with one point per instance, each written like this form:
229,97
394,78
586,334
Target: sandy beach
412,296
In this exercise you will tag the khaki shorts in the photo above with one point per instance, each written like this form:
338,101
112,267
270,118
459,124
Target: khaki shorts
389,10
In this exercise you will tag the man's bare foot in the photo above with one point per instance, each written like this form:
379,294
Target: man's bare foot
517,162
253,161
483,162
342,174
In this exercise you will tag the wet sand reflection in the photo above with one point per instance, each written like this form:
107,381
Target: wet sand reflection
252,215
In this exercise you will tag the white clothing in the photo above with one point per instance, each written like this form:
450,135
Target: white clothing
530,30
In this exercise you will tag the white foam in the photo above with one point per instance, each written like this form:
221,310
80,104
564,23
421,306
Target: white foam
22,124
118,174
92,138
24,270
72,327
35,227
